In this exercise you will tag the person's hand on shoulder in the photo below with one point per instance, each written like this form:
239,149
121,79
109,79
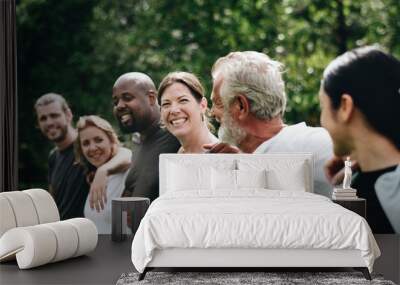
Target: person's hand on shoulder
221,148
98,189
98,193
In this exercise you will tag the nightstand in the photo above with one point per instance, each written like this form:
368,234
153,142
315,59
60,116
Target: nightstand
358,205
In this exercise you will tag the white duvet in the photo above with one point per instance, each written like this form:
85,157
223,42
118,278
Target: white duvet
250,219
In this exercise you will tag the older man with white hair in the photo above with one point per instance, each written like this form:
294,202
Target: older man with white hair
249,101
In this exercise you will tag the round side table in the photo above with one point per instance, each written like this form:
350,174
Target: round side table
135,206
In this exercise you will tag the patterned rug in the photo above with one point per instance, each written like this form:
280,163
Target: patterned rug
269,278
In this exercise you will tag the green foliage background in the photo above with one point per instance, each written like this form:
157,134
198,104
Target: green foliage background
79,47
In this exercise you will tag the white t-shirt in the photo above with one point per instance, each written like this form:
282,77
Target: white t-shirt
301,138
102,220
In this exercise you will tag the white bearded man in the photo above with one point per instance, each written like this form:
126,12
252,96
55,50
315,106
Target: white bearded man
249,100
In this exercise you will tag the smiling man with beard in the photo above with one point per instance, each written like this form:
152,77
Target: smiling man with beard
67,181
249,100
137,110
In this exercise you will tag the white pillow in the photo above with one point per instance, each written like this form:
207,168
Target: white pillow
184,177
227,179
280,174
251,178
293,180
223,179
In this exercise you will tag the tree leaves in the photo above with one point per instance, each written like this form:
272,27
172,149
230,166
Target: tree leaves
79,48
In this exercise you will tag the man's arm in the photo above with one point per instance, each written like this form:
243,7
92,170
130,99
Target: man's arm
221,148
98,194
120,162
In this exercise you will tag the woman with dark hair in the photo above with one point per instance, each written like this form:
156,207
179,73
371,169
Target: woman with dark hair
96,144
183,111
360,102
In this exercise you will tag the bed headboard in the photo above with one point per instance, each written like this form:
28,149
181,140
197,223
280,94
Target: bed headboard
284,171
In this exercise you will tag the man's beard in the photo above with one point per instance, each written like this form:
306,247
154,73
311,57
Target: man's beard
61,137
138,125
230,132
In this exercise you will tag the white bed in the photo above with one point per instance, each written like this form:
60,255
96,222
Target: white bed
222,210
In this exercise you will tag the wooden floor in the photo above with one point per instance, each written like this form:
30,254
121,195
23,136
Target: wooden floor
110,259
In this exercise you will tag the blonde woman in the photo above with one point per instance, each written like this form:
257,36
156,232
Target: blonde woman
96,144
183,111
